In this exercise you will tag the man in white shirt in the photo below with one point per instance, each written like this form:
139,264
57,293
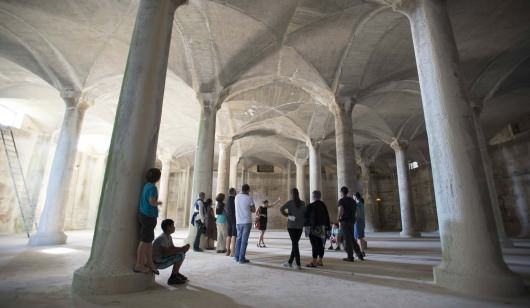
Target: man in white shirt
244,209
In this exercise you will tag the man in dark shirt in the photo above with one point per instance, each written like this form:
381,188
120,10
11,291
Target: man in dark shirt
231,217
346,216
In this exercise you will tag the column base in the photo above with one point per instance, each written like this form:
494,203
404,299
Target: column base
47,238
409,234
482,282
506,243
87,282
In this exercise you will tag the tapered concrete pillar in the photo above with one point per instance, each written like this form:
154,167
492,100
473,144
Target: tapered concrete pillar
300,178
289,183
522,206
406,202
233,170
371,212
244,179
132,152
164,186
204,155
486,161
223,167
344,142
472,259
50,229
315,167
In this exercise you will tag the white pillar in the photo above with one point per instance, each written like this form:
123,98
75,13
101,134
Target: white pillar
132,152
223,167
345,146
164,186
244,179
315,168
472,259
371,212
233,171
406,203
486,161
51,222
187,197
518,190
300,178
289,180
204,155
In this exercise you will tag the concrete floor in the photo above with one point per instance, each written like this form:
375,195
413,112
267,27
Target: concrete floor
397,273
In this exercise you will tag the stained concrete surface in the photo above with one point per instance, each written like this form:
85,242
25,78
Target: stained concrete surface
397,273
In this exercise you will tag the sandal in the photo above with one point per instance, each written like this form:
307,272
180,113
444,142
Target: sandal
154,270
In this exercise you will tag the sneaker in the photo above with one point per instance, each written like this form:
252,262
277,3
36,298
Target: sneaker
175,280
348,259
287,264
182,277
330,248
236,259
337,249
198,250
244,261
297,267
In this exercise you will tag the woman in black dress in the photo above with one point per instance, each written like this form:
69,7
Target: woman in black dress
261,212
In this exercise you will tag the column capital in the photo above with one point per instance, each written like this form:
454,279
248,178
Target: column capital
300,161
343,105
76,99
313,143
399,145
403,6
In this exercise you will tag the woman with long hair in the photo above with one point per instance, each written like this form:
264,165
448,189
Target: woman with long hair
294,210
358,227
211,228
261,214
222,225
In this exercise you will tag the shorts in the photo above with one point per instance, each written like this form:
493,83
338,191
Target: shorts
165,262
147,228
232,230
358,229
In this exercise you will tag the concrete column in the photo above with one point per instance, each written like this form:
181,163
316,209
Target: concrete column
371,212
164,187
244,179
486,161
315,168
132,152
223,167
345,146
472,258
204,154
519,189
50,229
233,170
406,202
300,178
289,180
187,197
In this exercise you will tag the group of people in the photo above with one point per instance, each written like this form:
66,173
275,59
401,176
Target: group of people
232,222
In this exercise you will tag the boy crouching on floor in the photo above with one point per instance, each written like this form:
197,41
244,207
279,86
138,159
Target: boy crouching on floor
166,254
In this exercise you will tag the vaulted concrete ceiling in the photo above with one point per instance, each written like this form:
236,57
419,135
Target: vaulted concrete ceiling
278,63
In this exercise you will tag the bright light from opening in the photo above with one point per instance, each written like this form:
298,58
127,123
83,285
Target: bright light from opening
58,251
11,118
413,165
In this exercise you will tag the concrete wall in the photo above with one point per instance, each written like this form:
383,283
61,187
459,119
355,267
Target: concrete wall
511,168
386,188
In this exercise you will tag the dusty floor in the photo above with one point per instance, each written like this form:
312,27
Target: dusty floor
398,273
